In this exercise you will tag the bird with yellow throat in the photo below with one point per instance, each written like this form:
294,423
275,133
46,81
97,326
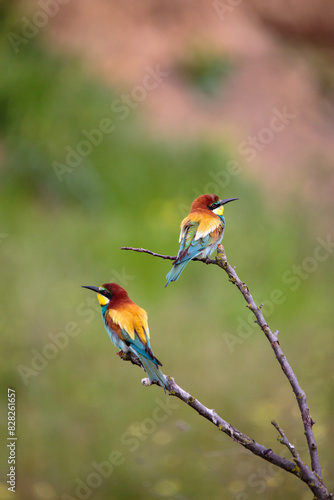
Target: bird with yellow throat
201,232
127,326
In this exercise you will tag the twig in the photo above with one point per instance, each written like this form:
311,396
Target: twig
312,478
284,440
143,250
166,257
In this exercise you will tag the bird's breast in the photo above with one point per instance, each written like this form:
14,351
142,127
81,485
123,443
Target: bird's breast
208,224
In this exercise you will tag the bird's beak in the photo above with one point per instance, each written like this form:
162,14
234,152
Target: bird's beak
223,202
94,288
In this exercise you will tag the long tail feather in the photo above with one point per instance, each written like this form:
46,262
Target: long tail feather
153,371
175,272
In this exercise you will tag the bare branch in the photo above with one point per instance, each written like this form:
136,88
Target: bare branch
299,469
212,416
166,257
237,436
143,250
313,479
280,356
221,261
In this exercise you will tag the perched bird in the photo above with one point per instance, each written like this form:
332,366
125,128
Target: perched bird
201,231
126,324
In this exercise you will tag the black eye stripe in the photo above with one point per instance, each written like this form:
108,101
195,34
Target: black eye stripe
105,293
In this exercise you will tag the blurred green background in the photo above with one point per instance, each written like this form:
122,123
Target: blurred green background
79,403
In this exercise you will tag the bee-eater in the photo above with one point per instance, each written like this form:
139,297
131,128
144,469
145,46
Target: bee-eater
126,324
201,231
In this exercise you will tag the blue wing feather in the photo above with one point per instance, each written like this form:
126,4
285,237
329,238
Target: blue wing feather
148,360
189,249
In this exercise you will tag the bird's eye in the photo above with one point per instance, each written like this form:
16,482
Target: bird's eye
214,205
